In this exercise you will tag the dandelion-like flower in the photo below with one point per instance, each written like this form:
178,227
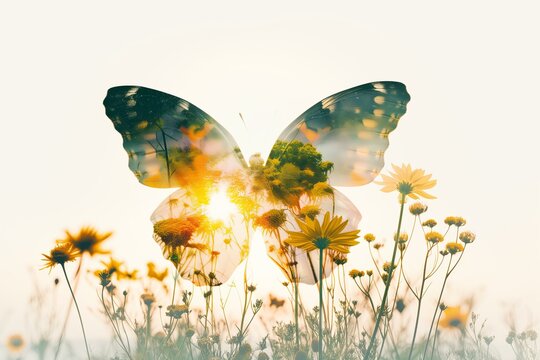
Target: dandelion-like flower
176,311
354,273
148,299
417,208
454,247
59,255
369,237
310,211
453,317
431,223
467,237
88,240
174,233
455,220
434,237
408,182
328,235
271,220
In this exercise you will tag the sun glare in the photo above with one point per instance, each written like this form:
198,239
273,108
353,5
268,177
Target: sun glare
220,206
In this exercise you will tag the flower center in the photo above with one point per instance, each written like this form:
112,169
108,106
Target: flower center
321,242
405,188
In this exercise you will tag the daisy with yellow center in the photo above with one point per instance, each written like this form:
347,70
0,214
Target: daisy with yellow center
328,235
59,255
88,240
454,317
408,182
175,233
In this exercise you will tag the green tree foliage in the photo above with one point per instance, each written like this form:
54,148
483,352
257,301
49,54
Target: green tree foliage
293,169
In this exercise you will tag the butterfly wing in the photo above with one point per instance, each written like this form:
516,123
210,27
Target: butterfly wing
339,141
211,247
350,130
297,264
170,141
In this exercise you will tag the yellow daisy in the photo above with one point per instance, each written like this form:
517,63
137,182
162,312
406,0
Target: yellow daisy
155,274
328,235
88,240
454,317
59,255
407,181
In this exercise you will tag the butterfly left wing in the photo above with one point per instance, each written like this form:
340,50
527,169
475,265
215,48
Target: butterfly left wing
350,130
170,142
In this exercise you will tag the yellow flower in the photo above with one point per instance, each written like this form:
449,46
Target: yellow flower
176,311
311,211
453,317
467,237
88,240
354,273
15,343
154,274
408,182
148,298
455,220
454,247
403,237
178,232
271,220
430,223
328,235
59,255
104,277
113,266
434,237
369,237
417,208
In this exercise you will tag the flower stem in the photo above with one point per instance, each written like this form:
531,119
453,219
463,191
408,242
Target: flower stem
420,296
321,252
387,285
78,311
68,312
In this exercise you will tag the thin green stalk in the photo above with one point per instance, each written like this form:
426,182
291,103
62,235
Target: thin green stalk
387,285
297,329
320,347
420,297
437,306
78,311
68,312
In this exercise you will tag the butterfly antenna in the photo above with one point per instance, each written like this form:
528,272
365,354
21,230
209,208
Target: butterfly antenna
243,121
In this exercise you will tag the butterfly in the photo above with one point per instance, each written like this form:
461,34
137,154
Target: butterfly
205,226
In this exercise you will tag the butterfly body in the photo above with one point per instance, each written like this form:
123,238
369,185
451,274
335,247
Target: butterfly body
171,143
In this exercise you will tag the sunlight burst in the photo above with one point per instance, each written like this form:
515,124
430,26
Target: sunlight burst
220,206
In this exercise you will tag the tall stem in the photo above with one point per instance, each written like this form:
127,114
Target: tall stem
448,271
420,296
387,285
78,311
321,251
68,312
297,330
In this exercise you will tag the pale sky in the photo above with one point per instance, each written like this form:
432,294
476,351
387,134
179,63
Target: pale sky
471,69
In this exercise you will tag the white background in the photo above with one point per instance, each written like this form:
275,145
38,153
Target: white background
471,69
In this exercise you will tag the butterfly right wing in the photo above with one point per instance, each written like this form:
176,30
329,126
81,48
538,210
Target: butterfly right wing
350,130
